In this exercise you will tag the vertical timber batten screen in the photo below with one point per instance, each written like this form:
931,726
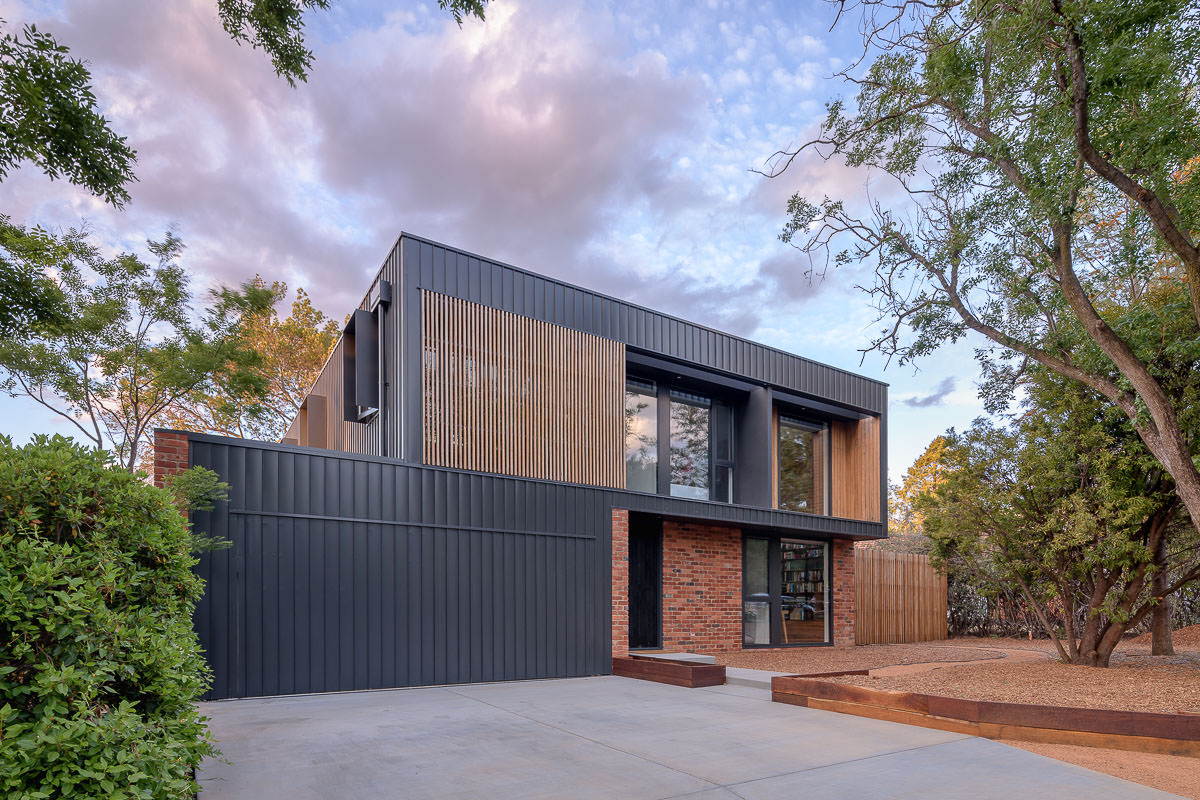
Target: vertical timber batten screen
899,598
512,395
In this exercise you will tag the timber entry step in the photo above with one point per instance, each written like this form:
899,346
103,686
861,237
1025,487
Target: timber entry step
689,674
1170,734
696,658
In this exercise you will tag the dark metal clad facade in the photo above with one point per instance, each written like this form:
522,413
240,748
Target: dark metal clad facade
352,573
359,572
442,269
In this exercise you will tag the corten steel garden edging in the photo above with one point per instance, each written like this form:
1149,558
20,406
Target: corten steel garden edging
1169,734
675,672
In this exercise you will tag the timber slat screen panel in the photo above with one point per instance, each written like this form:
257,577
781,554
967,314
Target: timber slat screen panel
855,466
899,597
516,396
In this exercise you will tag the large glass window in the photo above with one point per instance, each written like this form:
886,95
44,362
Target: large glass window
641,436
690,455
802,591
756,598
803,451
785,598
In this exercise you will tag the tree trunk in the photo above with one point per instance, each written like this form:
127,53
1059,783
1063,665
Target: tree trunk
1160,626
1161,644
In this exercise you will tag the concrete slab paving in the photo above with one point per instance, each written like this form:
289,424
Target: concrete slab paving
607,737
755,678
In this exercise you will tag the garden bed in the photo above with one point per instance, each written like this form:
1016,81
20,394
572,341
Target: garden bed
797,660
1167,733
1136,681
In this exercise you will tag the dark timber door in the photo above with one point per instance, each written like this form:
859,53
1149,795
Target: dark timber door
645,582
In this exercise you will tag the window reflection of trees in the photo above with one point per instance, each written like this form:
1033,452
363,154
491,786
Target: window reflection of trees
641,440
689,447
797,459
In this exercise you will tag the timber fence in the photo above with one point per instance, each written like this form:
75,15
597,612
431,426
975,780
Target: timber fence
899,597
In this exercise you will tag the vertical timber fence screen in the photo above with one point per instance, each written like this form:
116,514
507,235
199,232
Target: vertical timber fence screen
899,597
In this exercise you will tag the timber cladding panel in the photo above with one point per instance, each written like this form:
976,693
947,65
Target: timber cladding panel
856,469
508,394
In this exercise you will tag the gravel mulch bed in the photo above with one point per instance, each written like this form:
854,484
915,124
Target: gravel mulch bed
1128,686
799,660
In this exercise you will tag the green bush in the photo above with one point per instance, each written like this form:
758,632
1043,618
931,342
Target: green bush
99,664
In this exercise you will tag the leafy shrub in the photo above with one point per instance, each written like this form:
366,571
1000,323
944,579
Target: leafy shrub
99,663
199,489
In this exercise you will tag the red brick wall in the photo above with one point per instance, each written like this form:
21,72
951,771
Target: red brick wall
702,587
620,582
843,593
170,454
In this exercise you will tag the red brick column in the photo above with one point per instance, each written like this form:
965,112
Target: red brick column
620,582
170,454
702,587
843,593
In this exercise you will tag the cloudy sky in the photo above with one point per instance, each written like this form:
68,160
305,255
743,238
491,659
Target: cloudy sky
608,144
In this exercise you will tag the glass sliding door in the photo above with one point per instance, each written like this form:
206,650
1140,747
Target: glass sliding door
803,456
802,591
691,457
785,598
641,436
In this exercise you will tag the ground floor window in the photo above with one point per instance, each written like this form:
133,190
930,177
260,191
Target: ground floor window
785,592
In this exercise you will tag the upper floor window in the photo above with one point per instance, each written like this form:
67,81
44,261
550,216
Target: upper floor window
690,446
803,456
641,436
677,443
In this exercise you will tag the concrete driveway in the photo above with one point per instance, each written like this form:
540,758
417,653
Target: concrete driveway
609,737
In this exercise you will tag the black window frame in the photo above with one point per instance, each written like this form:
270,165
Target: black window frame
775,587
663,389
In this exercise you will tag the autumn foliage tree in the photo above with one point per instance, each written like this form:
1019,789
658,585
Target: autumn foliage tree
291,352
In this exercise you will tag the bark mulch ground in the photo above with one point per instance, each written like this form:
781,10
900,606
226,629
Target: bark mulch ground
1129,686
1136,681
798,660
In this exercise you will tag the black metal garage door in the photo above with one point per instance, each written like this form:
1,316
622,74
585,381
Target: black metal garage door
353,572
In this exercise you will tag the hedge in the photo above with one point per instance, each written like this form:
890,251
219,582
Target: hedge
99,663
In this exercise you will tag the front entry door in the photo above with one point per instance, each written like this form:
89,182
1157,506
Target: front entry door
645,582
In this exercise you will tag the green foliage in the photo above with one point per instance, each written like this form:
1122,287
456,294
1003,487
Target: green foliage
1050,157
199,489
99,663
49,115
1068,505
275,26
461,9
28,297
128,347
